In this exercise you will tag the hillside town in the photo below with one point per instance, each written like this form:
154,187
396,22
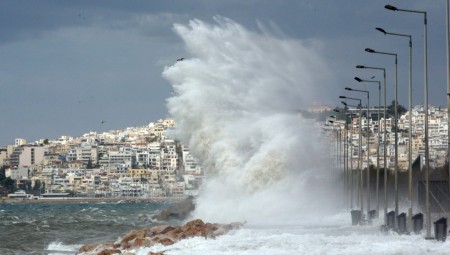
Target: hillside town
146,162
438,136
134,162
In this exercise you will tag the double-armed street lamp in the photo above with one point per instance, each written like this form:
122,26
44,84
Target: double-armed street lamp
395,126
368,147
410,118
427,161
360,150
384,138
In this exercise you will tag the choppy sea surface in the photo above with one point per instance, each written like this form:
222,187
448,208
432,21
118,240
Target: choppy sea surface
61,228
39,228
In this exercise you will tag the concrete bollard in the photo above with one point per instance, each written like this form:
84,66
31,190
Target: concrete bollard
356,217
401,223
391,220
417,223
440,229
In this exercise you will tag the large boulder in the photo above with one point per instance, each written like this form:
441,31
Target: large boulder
95,248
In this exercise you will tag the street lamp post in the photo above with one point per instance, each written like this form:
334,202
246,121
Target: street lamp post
337,142
378,137
384,139
410,209
345,155
368,141
427,159
360,152
349,158
395,126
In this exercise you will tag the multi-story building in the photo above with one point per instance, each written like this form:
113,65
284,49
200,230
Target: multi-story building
118,158
27,156
83,154
18,173
62,165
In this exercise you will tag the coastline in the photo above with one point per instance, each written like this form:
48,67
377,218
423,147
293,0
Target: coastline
95,200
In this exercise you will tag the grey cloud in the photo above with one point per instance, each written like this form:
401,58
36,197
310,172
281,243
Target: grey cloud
109,54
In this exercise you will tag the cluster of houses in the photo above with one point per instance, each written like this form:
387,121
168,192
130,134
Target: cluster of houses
145,162
134,162
437,130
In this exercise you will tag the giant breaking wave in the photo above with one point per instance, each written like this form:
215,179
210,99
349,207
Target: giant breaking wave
236,103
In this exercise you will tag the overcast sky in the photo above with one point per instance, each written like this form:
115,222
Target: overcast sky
68,66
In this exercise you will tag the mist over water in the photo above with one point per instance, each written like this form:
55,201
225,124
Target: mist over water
236,101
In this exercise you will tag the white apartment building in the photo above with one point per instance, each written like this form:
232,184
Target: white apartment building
20,142
190,164
117,158
83,154
20,173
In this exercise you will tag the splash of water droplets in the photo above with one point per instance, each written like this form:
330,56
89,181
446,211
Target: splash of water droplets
236,104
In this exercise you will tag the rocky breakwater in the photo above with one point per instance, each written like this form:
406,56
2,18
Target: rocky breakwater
164,234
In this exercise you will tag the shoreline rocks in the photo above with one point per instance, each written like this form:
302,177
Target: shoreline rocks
163,234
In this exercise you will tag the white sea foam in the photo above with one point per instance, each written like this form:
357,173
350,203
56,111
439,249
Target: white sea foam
300,239
57,248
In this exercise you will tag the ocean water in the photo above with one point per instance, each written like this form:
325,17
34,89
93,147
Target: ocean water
63,228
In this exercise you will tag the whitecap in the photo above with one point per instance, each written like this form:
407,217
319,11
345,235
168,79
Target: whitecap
60,248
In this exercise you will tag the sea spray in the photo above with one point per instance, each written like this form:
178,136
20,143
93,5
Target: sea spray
236,103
